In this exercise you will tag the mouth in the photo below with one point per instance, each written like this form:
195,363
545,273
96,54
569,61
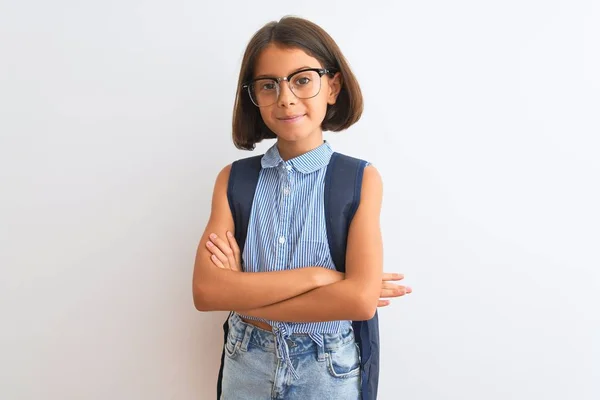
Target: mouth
291,118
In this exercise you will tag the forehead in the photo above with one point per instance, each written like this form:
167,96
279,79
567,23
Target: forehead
275,60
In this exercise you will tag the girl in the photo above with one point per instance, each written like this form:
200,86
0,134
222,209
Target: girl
290,334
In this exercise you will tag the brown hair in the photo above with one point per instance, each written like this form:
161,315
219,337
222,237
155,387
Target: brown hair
248,126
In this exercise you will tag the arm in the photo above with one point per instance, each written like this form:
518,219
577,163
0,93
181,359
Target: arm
216,289
355,297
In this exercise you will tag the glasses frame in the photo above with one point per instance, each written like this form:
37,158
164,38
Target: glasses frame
320,71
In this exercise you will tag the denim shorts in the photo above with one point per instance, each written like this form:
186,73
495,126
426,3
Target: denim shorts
252,370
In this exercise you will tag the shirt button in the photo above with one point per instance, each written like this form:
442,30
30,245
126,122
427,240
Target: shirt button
281,240
286,191
288,167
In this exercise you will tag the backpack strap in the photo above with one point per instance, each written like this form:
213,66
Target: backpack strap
243,179
343,184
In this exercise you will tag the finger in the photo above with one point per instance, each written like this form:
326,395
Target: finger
217,262
383,303
237,257
229,253
388,293
222,245
233,244
386,285
395,291
218,253
226,250
392,276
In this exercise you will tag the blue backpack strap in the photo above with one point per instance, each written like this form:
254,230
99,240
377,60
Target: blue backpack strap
343,184
243,179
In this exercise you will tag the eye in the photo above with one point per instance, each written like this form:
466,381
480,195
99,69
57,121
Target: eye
303,80
264,85
268,86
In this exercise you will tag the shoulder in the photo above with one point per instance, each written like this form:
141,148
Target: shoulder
220,186
372,175
242,164
371,178
337,156
223,176
369,205
247,164
372,185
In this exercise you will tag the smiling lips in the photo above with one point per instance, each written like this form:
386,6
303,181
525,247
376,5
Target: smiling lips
291,118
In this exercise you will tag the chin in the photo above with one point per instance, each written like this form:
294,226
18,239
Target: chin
292,133
293,136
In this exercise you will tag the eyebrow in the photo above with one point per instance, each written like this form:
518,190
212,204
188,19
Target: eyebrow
273,76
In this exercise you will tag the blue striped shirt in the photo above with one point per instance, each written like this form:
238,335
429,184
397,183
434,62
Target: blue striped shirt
287,229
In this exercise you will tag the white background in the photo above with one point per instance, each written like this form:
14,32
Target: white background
482,117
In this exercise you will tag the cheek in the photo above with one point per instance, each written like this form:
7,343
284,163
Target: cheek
318,107
265,113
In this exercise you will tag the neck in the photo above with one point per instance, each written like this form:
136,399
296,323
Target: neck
291,149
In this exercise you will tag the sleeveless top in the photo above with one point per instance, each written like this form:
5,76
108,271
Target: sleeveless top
287,230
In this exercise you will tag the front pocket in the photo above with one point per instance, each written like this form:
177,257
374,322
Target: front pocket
345,361
231,347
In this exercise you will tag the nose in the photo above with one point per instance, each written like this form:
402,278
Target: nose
286,96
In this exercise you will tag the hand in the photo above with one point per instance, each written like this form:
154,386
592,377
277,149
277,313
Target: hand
225,254
389,290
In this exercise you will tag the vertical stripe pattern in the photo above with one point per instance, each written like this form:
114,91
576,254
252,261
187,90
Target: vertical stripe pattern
287,229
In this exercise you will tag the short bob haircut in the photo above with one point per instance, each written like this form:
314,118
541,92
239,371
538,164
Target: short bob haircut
294,32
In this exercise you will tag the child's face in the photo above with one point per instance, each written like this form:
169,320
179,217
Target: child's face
290,118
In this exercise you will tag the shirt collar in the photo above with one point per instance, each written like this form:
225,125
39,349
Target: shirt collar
306,163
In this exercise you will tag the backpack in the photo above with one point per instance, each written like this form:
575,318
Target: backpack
343,183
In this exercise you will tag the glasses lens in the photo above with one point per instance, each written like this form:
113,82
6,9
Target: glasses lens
305,84
263,92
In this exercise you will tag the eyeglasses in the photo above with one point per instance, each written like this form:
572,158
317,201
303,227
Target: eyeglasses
304,84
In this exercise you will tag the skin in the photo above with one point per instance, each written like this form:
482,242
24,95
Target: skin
226,254
299,137
310,294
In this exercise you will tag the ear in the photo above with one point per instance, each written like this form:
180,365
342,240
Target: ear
335,85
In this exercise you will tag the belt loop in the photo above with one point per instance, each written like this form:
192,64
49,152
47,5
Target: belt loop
321,352
247,335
